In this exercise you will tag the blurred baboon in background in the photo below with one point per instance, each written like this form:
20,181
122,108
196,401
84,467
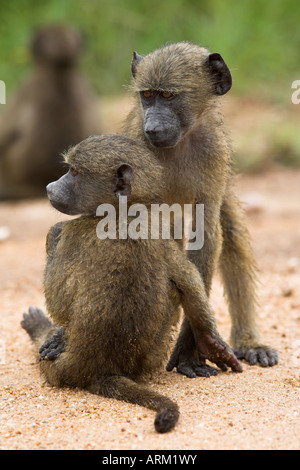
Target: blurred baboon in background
52,110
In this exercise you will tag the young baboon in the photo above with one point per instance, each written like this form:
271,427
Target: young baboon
176,114
53,109
114,301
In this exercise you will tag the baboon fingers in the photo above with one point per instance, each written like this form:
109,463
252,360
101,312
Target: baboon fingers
53,347
264,356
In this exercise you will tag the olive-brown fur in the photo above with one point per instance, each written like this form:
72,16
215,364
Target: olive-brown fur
198,169
117,300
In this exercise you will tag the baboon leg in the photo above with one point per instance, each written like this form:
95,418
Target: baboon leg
40,329
184,356
122,388
238,270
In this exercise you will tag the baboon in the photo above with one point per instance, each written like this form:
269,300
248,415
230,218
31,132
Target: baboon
176,114
53,109
114,301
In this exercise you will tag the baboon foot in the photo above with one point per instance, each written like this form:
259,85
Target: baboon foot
53,347
34,322
187,365
257,354
196,370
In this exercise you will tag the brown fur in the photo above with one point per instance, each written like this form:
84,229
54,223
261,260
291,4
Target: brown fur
118,299
53,109
198,170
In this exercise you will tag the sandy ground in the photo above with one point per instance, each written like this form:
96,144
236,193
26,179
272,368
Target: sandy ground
257,409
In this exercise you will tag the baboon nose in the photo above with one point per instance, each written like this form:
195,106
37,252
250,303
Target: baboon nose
49,189
151,131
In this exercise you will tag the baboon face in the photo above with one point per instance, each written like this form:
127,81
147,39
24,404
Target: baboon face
56,44
176,84
101,169
71,194
162,120
79,193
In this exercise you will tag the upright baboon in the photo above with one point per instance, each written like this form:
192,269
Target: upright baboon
115,300
53,109
176,114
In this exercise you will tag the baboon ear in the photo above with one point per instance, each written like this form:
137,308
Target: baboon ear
136,59
219,72
124,173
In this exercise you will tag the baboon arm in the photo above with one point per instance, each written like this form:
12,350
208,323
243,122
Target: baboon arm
237,264
238,271
193,296
208,341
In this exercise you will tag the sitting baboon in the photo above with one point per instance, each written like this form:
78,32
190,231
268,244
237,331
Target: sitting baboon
176,114
53,109
115,300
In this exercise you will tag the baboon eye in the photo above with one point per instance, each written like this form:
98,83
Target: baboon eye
75,172
167,95
147,94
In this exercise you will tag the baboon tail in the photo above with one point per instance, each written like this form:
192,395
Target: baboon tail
127,390
37,325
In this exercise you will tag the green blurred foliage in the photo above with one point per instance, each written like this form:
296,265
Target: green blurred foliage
259,39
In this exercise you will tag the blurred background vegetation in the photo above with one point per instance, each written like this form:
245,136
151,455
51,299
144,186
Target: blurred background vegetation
259,40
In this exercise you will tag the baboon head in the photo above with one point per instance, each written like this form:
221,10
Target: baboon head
101,169
58,45
175,84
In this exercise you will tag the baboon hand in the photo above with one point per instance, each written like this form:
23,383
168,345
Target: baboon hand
53,347
217,351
